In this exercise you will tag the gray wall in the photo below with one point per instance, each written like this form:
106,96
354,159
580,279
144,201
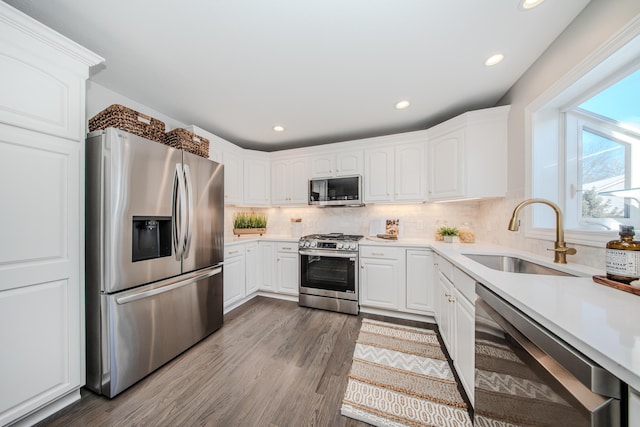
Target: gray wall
597,24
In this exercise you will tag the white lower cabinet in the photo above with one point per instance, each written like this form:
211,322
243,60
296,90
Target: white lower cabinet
252,268
464,342
455,315
381,277
287,268
419,295
397,279
234,275
444,311
279,267
242,269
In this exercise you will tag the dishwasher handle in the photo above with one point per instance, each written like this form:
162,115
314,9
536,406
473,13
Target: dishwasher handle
592,375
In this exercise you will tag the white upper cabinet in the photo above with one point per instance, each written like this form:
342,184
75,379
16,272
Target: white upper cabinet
42,125
395,173
340,163
257,181
378,174
410,177
289,181
233,177
468,156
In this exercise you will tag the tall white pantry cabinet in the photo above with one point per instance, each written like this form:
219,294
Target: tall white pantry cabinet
42,128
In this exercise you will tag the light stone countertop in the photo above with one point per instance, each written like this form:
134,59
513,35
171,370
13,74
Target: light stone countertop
599,321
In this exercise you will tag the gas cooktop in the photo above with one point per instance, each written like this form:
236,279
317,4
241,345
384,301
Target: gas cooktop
331,241
332,236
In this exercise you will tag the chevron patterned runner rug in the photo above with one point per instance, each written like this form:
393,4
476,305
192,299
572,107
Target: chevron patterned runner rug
401,377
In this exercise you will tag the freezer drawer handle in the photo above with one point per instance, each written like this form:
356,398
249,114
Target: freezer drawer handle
163,289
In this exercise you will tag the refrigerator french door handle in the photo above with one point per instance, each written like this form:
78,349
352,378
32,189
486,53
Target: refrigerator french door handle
179,211
190,210
166,288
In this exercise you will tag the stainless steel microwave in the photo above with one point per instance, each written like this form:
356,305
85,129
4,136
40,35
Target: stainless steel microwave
340,191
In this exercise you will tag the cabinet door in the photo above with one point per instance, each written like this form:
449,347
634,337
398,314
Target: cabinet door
287,272
378,169
267,273
446,169
299,181
464,359
251,268
323,165
233,178
234,276
257,178
349,163
420,286
445,308
379,283
41,298
410,176
280,182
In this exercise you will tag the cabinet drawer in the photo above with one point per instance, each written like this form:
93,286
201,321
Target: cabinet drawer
446,268
465,284
233,251
381,252
287,247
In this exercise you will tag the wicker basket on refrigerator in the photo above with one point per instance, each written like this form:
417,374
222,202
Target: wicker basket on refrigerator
121,117
188,141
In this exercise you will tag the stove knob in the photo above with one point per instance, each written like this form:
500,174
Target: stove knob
339,245
353,246
313,244
301,244
306,244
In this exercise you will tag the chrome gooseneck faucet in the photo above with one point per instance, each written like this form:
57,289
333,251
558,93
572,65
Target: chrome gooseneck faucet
560,247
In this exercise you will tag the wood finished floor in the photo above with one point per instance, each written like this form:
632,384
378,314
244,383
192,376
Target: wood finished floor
273,363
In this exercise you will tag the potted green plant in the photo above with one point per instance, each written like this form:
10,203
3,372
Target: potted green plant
249,223
448,233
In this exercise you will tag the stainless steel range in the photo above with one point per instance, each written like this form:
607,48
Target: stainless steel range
329,272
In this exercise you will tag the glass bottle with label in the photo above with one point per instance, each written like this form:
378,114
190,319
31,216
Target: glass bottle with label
623,257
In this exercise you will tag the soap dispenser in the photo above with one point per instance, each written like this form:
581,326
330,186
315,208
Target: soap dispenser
623,257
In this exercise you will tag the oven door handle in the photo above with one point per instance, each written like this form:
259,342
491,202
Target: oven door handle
328,254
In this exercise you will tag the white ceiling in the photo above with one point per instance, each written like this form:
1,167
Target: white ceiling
326,70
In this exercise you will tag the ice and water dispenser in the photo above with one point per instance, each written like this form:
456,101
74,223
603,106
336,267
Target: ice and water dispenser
151,237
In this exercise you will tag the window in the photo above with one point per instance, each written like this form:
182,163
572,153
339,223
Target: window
585,152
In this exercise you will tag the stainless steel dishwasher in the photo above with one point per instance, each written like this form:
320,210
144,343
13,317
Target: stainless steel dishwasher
525,375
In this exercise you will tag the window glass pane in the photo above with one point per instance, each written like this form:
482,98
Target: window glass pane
620,102
602,169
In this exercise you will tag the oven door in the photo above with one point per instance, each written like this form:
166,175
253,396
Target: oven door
526,376
329,274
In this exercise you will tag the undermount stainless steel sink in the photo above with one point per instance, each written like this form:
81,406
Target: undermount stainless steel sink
514,265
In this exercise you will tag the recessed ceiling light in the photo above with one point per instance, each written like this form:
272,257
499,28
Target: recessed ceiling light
494,59
278,128
401,105
530,4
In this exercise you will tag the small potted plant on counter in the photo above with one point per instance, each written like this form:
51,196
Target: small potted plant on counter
249,223
448,233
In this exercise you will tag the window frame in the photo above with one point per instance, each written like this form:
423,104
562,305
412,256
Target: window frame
545,126
578,121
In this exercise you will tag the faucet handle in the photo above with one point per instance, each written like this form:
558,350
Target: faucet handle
564,250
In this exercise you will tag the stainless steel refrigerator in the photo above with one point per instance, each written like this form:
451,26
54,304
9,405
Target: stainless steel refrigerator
154,252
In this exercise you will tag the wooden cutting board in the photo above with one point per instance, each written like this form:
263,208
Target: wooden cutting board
618,285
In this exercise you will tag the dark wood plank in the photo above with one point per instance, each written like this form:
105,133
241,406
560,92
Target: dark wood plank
273,363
